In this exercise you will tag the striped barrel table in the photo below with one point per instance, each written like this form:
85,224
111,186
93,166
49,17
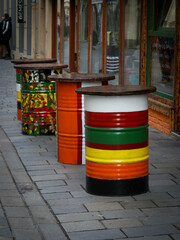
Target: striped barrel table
116,123
38,98
70,114
18,77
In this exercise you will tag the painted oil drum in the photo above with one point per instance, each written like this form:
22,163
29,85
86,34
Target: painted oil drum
38,98
70,114
116,138
18,77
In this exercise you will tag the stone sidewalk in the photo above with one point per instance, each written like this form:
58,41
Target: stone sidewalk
43,199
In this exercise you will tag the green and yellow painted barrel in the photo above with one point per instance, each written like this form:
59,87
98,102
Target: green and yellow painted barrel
18,92
18,77
116,138
38,97
38,103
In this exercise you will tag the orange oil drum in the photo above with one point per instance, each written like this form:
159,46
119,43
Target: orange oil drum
70,114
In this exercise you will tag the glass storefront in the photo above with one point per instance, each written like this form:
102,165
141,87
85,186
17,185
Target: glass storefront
96,61
162,64
66,30
84,7
161,47
112,39
132,42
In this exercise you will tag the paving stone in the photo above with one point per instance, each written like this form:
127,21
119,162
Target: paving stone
49,196
41,173
82,226
3,222
76,176
69,217
174,194
125,213
52,231
175,236
6,179
155,220
122,223
5,232
80,194
178,225
34,162
42,214
9,193
149,230
22,223
161,182
98,235
48,177
168,203
33,199
64,208
7,186
153,196
1,212
80,170
177,181
100,206
162,211
43,167
27,234
70,201
16,212
138,204
165,188
45,184
5,238
164,237
153,177
61,189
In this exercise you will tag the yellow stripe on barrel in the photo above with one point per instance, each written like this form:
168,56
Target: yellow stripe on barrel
117,156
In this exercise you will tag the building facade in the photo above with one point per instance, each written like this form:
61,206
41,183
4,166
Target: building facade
137,41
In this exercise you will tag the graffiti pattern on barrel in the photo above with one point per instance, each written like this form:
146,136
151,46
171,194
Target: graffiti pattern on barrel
38,102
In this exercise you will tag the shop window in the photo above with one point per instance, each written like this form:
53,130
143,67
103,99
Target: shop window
96,63
112,39
66,30
161,47
58,29
132,42
84,36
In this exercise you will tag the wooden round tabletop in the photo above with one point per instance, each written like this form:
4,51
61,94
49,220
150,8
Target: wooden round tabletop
38,60
116,90
81,77
38,66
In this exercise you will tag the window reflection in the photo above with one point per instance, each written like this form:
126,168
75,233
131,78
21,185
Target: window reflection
84,36
132,42
168,14
66,30
162,64
58,30
112,57
96,64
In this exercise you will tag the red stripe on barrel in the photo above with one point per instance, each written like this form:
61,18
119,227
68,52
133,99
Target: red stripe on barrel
116,119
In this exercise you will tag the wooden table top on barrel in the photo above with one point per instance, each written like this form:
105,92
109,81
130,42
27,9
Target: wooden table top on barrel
38,60
81,77
38,66
116,90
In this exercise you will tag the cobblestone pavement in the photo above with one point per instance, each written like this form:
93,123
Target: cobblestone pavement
43,199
